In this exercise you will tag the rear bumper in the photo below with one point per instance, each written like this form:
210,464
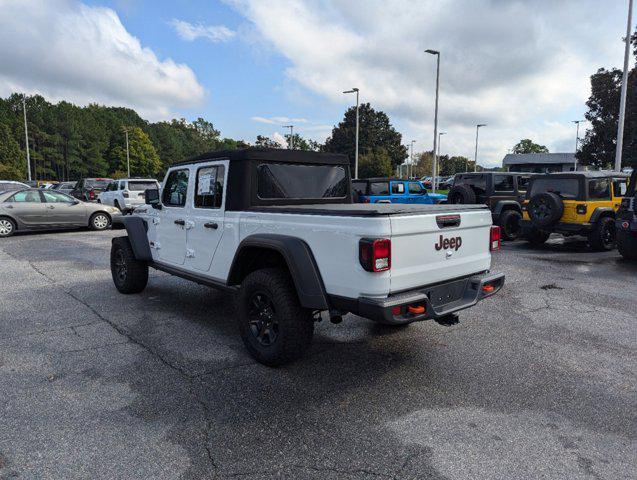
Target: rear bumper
439,300
561,227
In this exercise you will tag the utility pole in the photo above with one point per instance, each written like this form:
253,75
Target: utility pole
291,142
475,156
26,137
410,169
622,99
440,134
127,154
356,150
437,53
576,122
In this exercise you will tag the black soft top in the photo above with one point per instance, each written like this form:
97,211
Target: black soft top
272,155
585,174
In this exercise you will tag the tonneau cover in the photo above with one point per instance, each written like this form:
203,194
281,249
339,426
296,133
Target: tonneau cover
367,209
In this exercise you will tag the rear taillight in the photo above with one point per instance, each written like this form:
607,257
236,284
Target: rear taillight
375,254
125,194
494,239
91,194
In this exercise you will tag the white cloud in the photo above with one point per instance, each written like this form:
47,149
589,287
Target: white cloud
64,49
278,120
280,139
190,32
517,66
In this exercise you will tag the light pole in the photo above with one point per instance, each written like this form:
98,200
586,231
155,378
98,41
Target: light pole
410,169
576,122
475,156
127,154
26,137
291,142
622,98
437,54
433,184
355,90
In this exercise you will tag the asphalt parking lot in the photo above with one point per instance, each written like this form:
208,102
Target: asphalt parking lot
538,382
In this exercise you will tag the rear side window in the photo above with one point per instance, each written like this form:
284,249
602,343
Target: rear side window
477,182
209,190
379,188
503,183
28,196
360,187
523,183
398,188
311,182
599,189
176,189
564,187
619,187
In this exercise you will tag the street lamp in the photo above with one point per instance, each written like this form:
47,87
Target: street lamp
291,142
355,90
437,54
576,122
622,98
475,157
410,169
433,184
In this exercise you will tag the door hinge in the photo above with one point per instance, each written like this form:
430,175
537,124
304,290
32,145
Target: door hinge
190,253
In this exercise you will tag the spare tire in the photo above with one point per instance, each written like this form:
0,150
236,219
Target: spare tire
545,209
463,194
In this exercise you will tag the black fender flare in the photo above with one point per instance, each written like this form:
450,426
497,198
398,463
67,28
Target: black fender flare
505,205
136,229
599,212
300,262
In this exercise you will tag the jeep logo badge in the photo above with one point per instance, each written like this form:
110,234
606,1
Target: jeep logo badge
448,243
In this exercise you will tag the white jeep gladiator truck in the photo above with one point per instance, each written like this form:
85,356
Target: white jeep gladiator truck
278,228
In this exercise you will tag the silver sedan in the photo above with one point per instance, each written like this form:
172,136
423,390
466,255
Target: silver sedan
35,209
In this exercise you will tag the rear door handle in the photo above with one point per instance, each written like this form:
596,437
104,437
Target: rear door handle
50,206
211,225
180,222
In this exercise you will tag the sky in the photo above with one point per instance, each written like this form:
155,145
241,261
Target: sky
251,66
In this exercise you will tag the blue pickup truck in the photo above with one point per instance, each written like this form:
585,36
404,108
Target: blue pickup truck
393,190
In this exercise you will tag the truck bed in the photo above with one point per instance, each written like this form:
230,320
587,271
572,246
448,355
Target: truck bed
368,209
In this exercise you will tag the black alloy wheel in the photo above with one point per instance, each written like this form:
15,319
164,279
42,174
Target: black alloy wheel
262,317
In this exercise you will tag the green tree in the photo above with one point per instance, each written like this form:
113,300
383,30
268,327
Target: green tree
374,164
528,146
301,143
266,142
144,161
12,163
375,133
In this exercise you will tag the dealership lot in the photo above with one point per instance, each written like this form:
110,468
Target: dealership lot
538,381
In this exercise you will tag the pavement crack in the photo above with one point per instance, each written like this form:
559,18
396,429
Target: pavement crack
98,347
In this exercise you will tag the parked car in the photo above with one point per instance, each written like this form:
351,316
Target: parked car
626,222
127,193
88,189
426,181
445,183
502,192
37,209
7,185
278,228
574,203
393,190
64,187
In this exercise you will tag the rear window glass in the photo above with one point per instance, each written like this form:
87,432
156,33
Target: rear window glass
99,183
523,183
279,181
564,187
141,186
379,188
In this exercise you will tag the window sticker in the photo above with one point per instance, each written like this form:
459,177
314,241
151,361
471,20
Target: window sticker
207,181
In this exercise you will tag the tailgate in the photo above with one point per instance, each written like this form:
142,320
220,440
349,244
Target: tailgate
432,248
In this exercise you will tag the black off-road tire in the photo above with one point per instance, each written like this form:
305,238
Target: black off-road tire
545,209
97,223
461,194
284,319
9,227
509,223
129,274
535,236
627,245
603,238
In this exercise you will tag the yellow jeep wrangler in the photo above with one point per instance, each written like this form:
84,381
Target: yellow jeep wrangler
573,203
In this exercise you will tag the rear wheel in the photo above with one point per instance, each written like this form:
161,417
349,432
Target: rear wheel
602,237
7,227
129,274
627,245
274,327
535,236
510,224
99,221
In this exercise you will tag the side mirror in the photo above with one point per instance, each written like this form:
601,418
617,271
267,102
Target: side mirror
152,197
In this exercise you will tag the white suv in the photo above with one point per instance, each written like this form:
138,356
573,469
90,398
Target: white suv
127,193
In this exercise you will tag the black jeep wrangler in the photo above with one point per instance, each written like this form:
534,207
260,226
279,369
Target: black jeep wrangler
502,192
626,221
